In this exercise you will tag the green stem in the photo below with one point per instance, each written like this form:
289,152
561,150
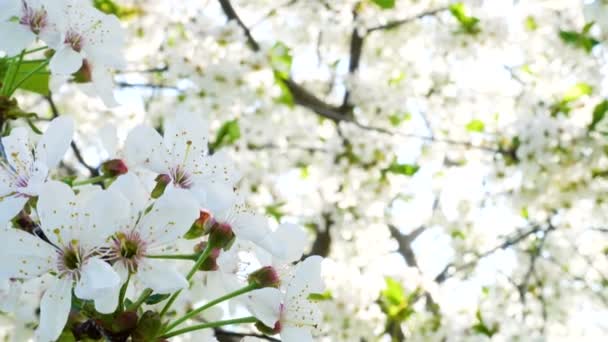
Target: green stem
142,298
27,52
123,292
9,78
30,74
91,180
202,257
242,320
192,257
210,304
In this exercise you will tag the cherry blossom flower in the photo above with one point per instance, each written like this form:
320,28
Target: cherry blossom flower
181,156
151,232
33,18
75,228
291,313
24,169
87,34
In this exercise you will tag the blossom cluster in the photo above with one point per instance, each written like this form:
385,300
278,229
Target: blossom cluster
117,256
164,198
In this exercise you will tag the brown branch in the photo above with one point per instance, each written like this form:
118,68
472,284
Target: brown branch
231,14
396,23
451,269
230,336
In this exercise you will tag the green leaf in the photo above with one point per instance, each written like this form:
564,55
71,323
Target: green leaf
482,328
397,118
468,24
37,82
475,126
581,39
281,60
156,298
530,23
317,297
275,210
577,91
228,134
286,97
599,112
111,7
402,169
395,303
385,4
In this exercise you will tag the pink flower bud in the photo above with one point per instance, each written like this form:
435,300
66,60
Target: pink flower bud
114,167
221,235
201,226
266,276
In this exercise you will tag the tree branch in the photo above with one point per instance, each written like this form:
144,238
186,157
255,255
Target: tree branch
396,23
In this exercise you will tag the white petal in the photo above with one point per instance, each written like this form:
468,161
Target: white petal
109,139
54,310
18,150
97,279
171,217
133,191
287,243
186,137
306,279
55,142
161,277
265,305
144,146
213,196
24,255
10,206
56,208
295,334
38,176
107,302
251,227
14,38
104,85
105,213
65,61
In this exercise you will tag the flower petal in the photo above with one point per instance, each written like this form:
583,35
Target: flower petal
24,255
56,209
169,219
295,334
65,61
161,277
134,192
105,213
265,305
14,38
144,147
54,310
18,150
55,142
97,279
10,206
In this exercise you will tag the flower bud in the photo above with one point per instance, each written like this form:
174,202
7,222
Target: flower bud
221,235
268,330
114,167
210,264
201,226
148,327
161,184
266,276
